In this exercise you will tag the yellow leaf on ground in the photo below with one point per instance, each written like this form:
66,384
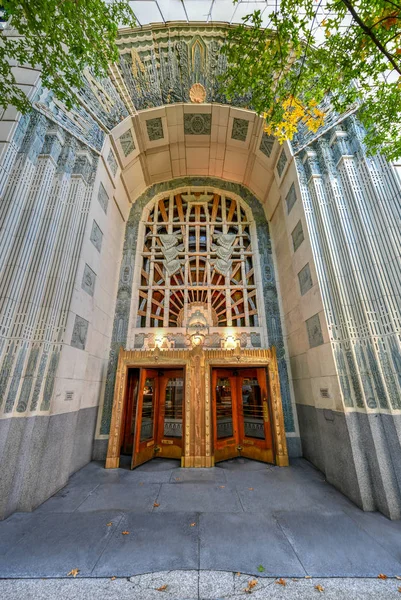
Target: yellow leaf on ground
250,586
193,524
308,576
281,581
319,588
238,574
113,578
155,504
250,488
109,524
73,572
162,588
399,589
382,576
222,486
125,533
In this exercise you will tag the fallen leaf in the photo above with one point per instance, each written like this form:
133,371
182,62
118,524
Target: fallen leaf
281,581
109,524
251,585
399,589
162,588
261,568
308,576
141,483
113,578
381,576
178,478
250,489
193,524
222,486
73,572
399,578
155,504
238,574
319,588
125,533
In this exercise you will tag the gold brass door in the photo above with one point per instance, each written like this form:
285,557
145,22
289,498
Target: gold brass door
159,415
242,425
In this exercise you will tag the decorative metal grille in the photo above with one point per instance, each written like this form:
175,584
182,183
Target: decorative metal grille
197,251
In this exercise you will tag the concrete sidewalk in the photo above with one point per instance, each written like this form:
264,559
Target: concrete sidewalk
241,516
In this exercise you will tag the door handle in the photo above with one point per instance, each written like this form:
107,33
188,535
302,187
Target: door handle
156,449
239,448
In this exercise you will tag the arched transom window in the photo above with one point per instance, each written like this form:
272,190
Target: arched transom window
197,254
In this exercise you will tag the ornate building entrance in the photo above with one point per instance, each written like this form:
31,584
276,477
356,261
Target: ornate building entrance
199,405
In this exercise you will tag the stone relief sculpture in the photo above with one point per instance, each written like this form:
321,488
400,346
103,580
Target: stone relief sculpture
171,263
224,251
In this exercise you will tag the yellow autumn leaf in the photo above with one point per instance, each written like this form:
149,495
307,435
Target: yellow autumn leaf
381,576
156,505
109,524
319,588
125,533
73,572
113,578
162,588
281,581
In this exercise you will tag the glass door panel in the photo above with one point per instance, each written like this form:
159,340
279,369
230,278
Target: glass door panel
147,408
224,394
252,408
224,408
171,390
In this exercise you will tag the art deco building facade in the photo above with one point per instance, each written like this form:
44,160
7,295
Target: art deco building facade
156,236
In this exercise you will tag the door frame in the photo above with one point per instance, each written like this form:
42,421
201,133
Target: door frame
197,363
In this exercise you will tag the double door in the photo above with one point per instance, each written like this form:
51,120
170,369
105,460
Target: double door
159,415
242,424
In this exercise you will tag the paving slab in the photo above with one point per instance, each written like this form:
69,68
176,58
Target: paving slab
13,529
155,542
331,544
245,542
198,476
122,496
62,542
69,498
198,497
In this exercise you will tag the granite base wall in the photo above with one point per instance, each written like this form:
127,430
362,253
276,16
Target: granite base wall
360,454
38,454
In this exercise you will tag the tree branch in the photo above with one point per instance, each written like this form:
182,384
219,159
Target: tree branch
372,36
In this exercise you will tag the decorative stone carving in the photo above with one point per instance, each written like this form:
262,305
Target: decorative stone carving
79,333
314,330
297,236
139,340
266,144
127,142
111,161
291,198
240,129
155,129
88,280
197,123
197,93
256,342
282,161
172,264
103,198
96,236
224,251
305,279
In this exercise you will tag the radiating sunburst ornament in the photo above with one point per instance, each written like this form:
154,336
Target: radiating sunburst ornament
197,93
